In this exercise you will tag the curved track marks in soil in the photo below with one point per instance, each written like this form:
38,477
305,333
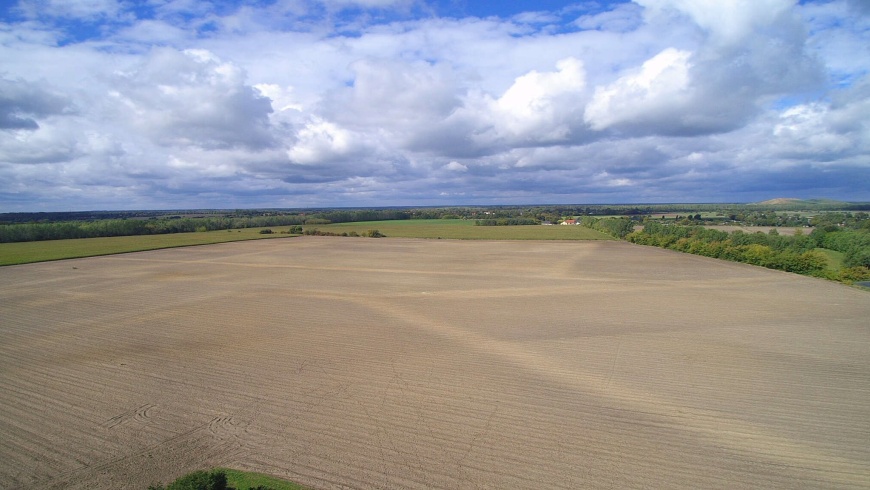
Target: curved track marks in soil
138,415
346,363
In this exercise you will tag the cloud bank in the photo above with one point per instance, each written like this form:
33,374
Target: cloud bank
107,104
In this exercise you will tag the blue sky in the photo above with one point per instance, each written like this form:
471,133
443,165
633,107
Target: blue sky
118,104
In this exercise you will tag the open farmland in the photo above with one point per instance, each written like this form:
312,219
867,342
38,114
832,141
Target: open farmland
40,251
404,363
465,230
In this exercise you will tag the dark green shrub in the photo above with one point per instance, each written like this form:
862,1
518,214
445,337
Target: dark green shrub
198,480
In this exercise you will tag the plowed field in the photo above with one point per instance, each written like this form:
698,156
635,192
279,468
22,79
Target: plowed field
401,363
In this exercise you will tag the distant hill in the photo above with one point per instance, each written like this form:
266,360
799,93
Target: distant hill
780,201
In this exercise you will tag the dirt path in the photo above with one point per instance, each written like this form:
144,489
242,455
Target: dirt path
359,363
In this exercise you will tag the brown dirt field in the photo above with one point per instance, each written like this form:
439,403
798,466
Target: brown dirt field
393,363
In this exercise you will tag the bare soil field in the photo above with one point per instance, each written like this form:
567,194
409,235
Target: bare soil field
406,363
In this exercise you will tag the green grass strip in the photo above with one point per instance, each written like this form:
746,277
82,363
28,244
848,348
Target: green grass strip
243,480
835,259
28,252
459,229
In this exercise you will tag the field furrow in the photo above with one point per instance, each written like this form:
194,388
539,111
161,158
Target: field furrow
402,363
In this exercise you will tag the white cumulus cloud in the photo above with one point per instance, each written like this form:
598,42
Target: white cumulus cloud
727,21
321,142
543,105
659,90
192,98
378,102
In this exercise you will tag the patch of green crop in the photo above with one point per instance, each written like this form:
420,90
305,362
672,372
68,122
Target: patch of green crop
228,479
835,259
458,229
28,252
243,480
464,230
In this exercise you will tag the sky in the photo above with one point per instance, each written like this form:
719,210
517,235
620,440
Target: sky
224,104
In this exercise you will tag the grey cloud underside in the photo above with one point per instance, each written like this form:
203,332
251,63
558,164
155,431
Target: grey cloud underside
10,120
23,103
193,99
803,178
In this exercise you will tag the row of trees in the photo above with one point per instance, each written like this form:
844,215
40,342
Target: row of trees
746,218
356,215
838,219
58,226
507,222
367,233
30,232
616,227
798,253
832,221
854,244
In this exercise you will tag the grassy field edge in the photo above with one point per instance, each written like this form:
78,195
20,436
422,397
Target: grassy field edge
227,479
243,480
44,251
50,250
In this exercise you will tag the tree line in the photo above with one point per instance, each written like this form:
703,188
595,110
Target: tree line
615,227
853,244
59,226
507,222
798,253
29,232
